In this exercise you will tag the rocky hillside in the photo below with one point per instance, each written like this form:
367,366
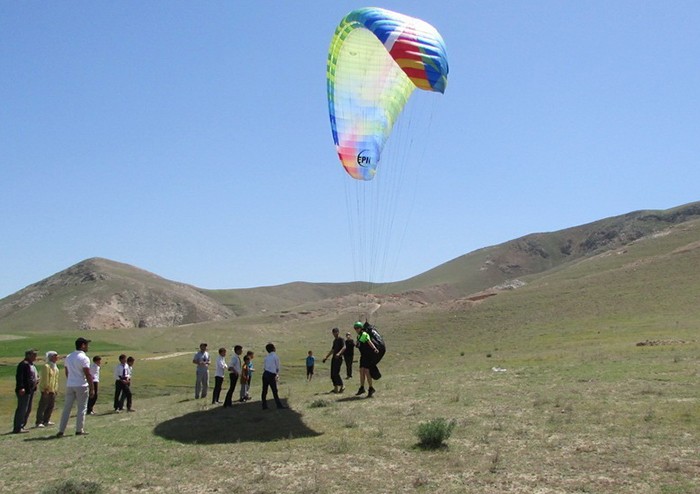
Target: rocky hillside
540,252
99,294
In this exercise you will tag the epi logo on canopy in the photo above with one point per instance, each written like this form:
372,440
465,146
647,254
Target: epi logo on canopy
363,160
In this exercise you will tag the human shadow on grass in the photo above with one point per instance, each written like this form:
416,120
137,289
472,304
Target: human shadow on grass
243,422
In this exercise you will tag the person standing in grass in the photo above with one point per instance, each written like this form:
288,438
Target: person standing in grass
251,370
368,356
310,362
234,373
27,380
121,374
95,371
221,367
271,375
49,389
348,355
126,390
245,378
201,360
336,354
79,387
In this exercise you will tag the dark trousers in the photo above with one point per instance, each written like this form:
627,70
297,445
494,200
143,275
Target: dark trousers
348,365
336,364
233,377
93,399
269,380
47,402
122,392
218,383
24,407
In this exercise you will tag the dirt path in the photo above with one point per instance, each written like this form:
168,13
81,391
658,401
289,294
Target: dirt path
170,355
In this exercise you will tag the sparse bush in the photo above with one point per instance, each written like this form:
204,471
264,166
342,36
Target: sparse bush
339,447
319,404
434,433
74,487
495,462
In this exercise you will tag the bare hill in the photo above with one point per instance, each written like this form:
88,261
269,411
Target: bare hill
537,253
101,294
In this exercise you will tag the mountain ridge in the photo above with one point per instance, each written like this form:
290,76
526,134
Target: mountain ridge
102,294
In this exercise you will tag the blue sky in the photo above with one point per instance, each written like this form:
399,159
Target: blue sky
191,139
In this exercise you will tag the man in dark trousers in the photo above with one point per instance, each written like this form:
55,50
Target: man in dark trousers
349,354
336,354
122,392
27,381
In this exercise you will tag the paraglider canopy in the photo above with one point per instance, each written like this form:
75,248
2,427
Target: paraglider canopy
377,58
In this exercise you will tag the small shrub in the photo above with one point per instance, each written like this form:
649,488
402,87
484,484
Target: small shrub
434,433
319,404
340,447
495,462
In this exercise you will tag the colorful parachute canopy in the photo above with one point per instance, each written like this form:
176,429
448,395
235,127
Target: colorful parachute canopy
376,59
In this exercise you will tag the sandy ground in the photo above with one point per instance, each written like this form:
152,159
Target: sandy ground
8,337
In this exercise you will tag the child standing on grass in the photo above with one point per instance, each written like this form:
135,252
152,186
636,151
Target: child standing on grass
310,361
251,370
245,378
95,371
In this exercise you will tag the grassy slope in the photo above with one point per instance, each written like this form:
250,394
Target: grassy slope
580,408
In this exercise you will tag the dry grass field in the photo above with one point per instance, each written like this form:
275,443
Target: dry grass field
586,379
568,409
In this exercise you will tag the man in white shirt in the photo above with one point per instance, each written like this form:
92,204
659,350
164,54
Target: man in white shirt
126,392
201,360
95,373
221,367
270,376
234,372
79,387
122,377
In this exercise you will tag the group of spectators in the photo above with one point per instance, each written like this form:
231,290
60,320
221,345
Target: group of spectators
82,384
83,377
239,369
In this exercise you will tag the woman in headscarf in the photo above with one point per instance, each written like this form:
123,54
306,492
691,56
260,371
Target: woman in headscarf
48,384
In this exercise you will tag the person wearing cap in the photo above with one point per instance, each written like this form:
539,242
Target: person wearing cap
48,380
367,358
336,354
349,354
27,379
79,387
201,360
